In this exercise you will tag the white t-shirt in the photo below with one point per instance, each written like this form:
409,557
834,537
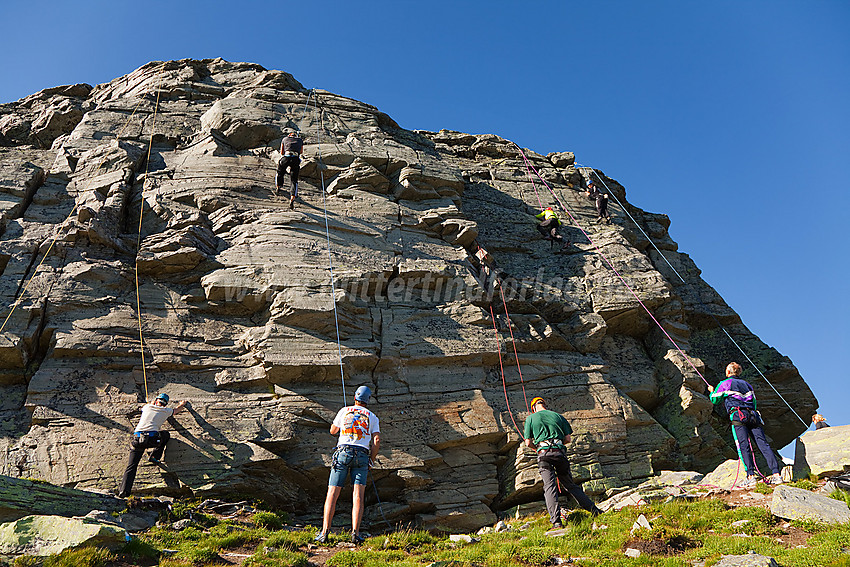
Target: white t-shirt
153,417
356,426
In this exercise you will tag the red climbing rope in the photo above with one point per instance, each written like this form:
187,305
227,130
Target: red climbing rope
502,369
513,343
610,264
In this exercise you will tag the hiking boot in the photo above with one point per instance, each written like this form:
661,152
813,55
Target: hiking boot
357,539
775,478
292,203
321,537
749,483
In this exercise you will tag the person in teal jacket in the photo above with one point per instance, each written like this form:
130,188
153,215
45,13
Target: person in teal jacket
740,400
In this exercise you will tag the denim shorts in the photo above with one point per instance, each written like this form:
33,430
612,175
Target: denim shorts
348,458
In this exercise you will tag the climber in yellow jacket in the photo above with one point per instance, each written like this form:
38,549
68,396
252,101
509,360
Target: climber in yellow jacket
549,227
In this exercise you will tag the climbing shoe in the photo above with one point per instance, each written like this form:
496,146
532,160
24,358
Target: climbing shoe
357,539
156,461
321,537
775,479
749,483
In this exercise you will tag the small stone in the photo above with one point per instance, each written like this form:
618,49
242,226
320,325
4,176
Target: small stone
640,523
501,527
632,552
462,538
740,523
181,524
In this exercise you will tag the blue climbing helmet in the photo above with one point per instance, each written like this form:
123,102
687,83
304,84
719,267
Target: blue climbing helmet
163,397
363,394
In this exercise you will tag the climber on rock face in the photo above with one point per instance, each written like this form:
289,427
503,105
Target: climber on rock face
740,400
356,450
148,435
601,202
291,147
550,432
549,227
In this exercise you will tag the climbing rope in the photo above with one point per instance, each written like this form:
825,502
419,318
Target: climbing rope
513,344
610,264
502,369
719,324
26,285
319,127
139,237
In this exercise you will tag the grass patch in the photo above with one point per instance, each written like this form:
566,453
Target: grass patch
805,484
268,520
137,549
840,495
366,558
291,540
26,561
407,540
809,525
763,488
80,557
277,558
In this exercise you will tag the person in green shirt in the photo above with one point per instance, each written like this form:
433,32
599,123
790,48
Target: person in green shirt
550,432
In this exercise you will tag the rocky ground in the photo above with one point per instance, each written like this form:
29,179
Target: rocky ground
170,170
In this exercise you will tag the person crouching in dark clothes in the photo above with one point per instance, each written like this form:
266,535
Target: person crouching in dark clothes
148,435
549,227
740,400
819,421
291,147
601,202
549,431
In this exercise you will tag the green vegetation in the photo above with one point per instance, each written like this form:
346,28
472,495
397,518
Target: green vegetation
80,557
268,520
805,484
682,532
841,495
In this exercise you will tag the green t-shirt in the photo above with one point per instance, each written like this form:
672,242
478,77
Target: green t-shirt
546,424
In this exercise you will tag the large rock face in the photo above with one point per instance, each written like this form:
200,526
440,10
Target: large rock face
237,303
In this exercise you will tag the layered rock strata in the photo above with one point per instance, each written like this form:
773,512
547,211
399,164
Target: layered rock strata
240,310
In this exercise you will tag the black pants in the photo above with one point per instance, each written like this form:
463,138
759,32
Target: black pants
602,207
549,230
137,450
554,467
293,163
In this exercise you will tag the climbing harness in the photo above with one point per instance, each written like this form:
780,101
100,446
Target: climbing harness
719,324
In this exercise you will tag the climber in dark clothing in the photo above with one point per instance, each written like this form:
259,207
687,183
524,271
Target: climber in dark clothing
291,147
549,227
740,401
601,202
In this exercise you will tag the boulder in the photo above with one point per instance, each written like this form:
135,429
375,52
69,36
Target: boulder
798,504
823,452
22,497
748,560
726,476
46,535
258,316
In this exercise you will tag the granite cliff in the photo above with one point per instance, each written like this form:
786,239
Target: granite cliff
237,307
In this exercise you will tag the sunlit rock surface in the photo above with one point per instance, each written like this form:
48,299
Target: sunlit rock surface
237,306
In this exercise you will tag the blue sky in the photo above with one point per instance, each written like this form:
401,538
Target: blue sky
732,117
